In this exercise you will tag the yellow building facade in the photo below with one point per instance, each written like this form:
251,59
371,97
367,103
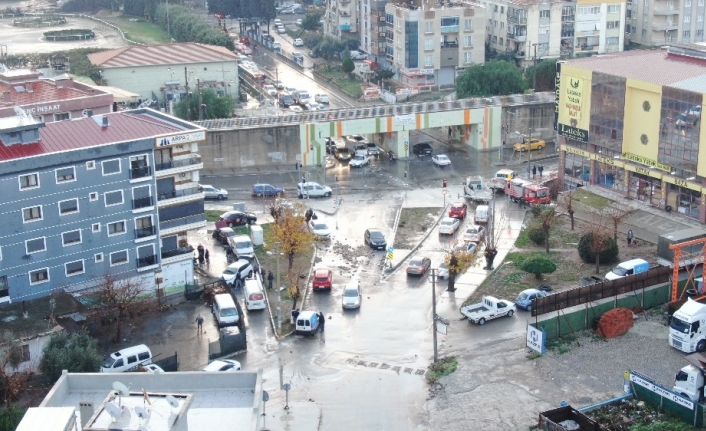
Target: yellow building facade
631,122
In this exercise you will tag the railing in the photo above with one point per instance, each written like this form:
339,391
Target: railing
449,28
168,224
141,172
449,45
177,193
565,18
142,202
520,20
376,111
194,160
146,261
144,232
176,252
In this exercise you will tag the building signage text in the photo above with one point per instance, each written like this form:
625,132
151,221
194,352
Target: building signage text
405,120
572,150
659,390
574,133
42,109
181,139
535,339
557,94
645,161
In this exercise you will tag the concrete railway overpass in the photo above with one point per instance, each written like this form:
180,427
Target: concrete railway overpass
235,144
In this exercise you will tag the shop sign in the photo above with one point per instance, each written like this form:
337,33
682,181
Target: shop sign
181,139
645,161
572,150
607,160
683,183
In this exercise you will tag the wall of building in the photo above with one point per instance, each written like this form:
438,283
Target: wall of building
35,346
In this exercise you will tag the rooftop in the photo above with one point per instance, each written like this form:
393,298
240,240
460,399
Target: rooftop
163,54
122,126
673,67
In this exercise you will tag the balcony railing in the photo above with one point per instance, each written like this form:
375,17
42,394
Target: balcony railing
570,18
142,202
345,27
195,160
177,193
168,224
141,172
517,37
177,251
449,28
519,20
146,261
449,44
144,232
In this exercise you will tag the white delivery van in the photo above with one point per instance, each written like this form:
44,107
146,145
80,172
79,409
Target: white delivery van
630,267
254,293
225,311
242,245
127,359
482,214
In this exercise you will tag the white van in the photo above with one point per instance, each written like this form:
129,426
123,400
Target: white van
630,267
242,245
254,294
482,214
127,359
225,311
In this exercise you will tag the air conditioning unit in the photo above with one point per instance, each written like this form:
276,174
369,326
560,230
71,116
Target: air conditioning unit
382,34
182,175
382,18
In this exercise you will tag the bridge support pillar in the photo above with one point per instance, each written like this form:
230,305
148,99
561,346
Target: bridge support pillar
399,143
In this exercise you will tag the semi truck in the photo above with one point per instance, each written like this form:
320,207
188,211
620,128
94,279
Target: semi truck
476,190
687,327
690,255
519,190
689,381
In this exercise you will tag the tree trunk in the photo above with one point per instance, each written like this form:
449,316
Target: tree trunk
489,258
290,262
546,237
571,217
452,281
615,230
598,264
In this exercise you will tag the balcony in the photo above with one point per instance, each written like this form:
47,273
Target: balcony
168,227
141,172
517,20
177,254
177,193
345,27
665,11
568,18
142,202
144,232
449,29
664,26
517,37
178,166
143,262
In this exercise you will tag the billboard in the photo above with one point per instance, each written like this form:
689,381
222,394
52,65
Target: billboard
574,106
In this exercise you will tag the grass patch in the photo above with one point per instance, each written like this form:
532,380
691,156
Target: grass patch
443,367
140,31
213,215
413,224
338,77
561,344
590,199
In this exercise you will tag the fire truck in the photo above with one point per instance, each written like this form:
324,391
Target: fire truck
530,193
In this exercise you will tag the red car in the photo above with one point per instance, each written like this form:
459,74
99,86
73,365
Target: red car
458,210
323,279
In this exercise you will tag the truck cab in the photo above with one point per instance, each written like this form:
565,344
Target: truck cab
689,382
687,328
501,177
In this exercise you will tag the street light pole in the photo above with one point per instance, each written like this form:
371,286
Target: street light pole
279,291
433,312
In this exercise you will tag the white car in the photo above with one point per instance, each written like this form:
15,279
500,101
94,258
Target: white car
474,233
442,271
359,161
352,296
211,192
298,42
313,106
281,30
449,225
321,98
271,90
277,22
299,21
694,111
296,109
441,160
245,50
276,45
278,84
240,269
313,190
320,228
228,365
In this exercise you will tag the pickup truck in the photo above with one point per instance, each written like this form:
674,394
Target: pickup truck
476,190
488,309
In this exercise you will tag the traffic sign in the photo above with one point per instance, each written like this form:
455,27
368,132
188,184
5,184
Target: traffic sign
390,249
443,192
390,255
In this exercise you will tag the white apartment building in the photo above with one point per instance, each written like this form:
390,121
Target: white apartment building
341,19
665,22
429,44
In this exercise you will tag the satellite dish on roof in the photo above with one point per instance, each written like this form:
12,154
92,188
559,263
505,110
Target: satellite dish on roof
141,412
172,401
121,389
114,411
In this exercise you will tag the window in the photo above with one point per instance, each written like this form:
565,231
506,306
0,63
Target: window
687,18
116,228
647,3
644,33
495,23
68,206
701,2
428,61
543,29
490,23
93,196
699,18
29,181
139,165
501,41
90,165
502,9
468,24
429,45
589,10
4,286
687,33
65,175
72,237
96,227
429,27
699,32
74,268
32,214
544,13
468,42
35,245
39,276
613,24
502,25
98,258
612,40
118,258
61,116
687,3
495,39
614,8
111,167
113,198
467,57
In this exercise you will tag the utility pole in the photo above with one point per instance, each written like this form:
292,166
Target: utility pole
169,33
186,79
198,89
433,312
279,291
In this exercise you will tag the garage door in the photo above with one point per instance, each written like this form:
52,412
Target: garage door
446,75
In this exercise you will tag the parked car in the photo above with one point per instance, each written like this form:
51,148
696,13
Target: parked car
375,239
298,42
418,266
211,192
441,160
422,149
468,247
449,225
238,270
320,228
277,22
474,233
299,22
238,218
270,89
342,153
313,190
321,98
307,323
359,161
296,109
442,271
276,45
352,296
323,279
266,190
524,299
489,308
358,55
281,30
223,365
223,235
533,144
458,210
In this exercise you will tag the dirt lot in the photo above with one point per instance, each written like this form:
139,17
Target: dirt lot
414,224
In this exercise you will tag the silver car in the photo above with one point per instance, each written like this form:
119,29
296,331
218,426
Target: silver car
352,296
211,192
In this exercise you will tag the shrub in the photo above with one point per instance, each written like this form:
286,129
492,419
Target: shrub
536,234
76,353
538,265
348,65
607,248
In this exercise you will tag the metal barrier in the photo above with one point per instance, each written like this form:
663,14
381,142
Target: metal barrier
170,363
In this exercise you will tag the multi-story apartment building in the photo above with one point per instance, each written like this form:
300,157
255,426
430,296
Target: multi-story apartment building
534,30
430,43
373,36
665,22
341,20
111,194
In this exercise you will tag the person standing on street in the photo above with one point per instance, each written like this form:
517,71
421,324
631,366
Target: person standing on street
541,169
322,321
534,171
263,273
207,257
630,237
270,279
201,252
199,324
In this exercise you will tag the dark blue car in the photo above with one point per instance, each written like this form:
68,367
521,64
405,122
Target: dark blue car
266,190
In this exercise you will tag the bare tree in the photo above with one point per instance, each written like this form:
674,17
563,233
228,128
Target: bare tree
492,237
547,217
119,299
616,216
566,199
